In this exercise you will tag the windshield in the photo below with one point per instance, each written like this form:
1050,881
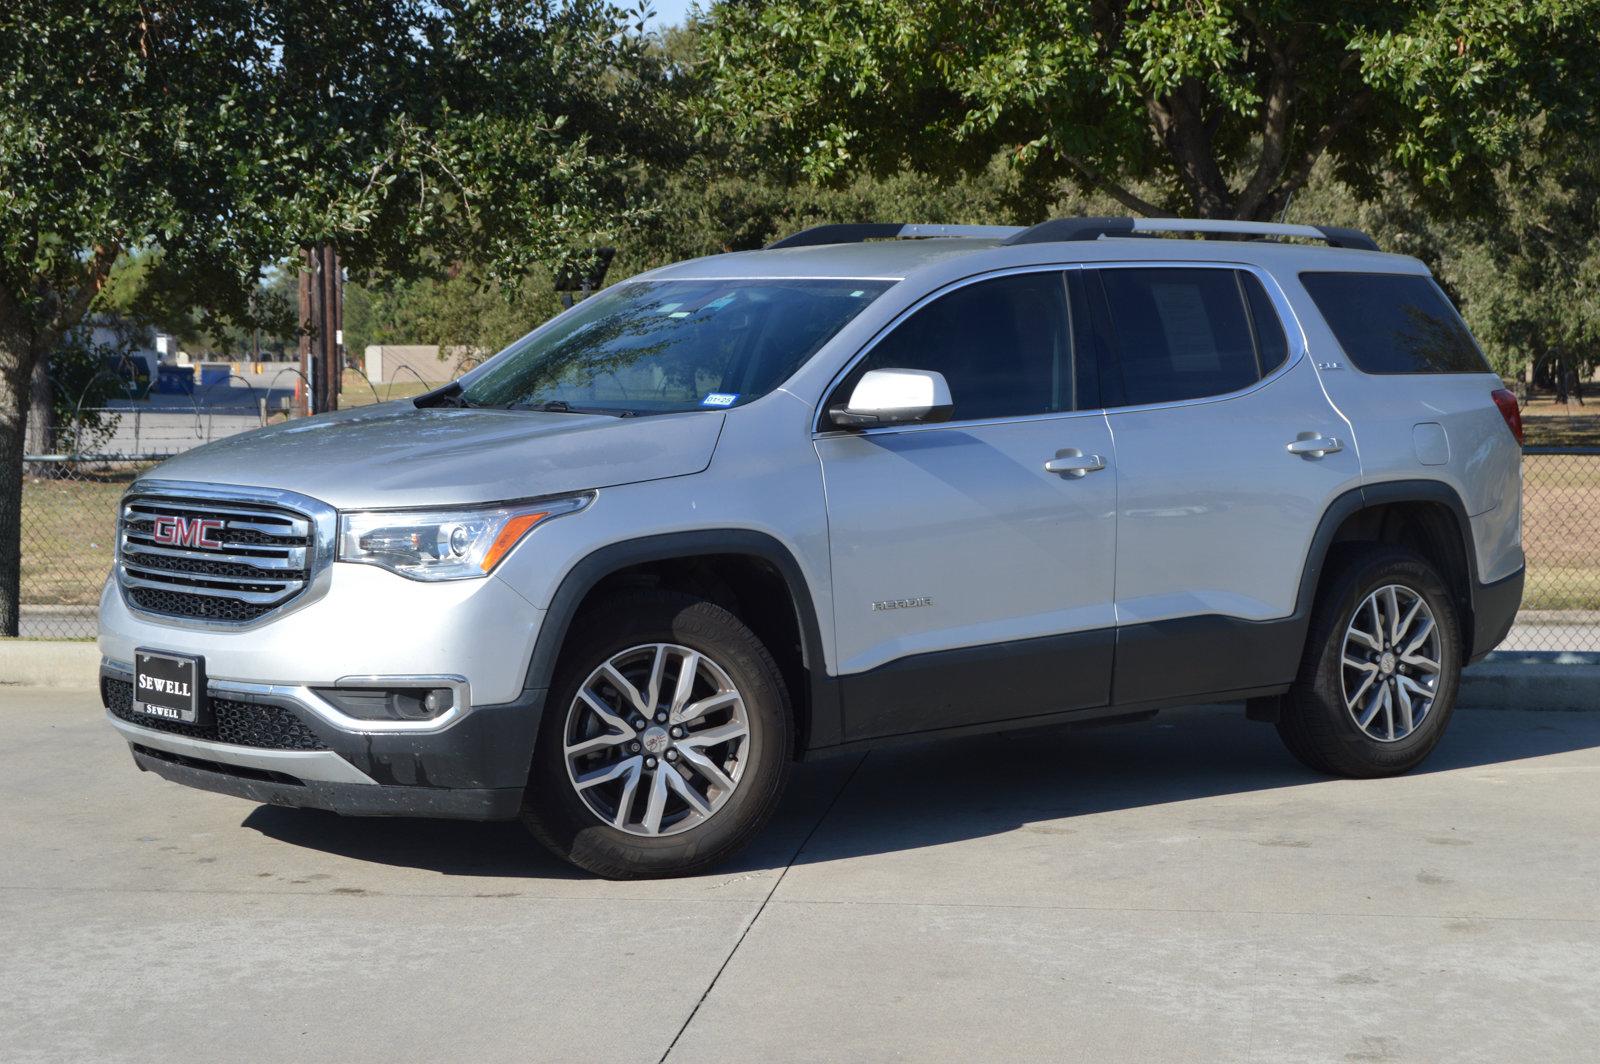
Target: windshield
655,347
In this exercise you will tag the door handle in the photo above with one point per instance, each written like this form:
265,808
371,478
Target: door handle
1313,446
1074,463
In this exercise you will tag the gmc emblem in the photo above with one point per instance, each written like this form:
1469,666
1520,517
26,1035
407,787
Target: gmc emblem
187,532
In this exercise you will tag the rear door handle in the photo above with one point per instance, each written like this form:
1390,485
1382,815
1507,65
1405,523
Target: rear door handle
1313,446
1074,463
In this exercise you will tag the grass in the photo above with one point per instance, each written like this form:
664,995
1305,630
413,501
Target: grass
1547,424
69,535
355,391
68,525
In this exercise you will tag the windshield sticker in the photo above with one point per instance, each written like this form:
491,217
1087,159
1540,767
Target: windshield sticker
718,304
720,399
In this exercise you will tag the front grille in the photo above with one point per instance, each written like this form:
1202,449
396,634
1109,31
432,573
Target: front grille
237,723
262,561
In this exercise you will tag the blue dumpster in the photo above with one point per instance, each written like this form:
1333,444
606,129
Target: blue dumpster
175,380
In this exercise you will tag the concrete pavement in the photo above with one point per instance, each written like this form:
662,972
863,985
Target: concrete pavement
1172,890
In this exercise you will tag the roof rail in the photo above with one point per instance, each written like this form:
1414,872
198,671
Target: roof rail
1095,228
856,232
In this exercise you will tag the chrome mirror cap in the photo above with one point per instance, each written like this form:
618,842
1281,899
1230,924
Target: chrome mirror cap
895,397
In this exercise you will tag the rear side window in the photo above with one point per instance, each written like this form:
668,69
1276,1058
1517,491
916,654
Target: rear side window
1187,333
1394,323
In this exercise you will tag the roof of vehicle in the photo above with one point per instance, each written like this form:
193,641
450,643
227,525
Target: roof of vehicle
897,259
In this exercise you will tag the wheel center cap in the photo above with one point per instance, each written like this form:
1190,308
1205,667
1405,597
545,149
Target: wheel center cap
656,740
1386,663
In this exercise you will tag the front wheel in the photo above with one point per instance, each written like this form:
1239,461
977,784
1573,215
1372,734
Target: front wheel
665,744
1382,664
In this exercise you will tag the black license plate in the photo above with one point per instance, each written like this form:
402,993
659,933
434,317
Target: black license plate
170,686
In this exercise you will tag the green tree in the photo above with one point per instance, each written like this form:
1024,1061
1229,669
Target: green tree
1221,110
225,134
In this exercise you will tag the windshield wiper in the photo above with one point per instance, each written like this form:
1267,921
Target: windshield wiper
561,406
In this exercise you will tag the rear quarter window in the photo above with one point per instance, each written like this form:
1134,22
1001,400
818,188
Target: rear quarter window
1394,323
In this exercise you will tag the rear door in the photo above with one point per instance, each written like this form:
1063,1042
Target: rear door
970,584
1227,455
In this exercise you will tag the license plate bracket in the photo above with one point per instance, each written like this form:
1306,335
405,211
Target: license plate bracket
170,687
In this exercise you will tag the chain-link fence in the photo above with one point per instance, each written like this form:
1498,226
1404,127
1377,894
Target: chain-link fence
69,507
1561,535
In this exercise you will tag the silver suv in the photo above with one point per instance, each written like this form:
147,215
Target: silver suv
872,482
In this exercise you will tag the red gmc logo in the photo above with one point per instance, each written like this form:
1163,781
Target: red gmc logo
187,532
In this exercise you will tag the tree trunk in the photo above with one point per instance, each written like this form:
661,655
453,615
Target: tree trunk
16,370
41,436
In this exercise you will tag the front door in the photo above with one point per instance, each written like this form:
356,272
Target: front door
972,585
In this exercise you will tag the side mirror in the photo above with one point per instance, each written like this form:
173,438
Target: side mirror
894,397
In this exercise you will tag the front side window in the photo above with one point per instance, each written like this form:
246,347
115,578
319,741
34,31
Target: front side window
1394,323
656,347
1004,347
1188,333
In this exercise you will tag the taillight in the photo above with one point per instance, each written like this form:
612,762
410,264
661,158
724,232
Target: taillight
1508,410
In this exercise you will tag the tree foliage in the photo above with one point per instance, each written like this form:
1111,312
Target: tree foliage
227,133
1223,109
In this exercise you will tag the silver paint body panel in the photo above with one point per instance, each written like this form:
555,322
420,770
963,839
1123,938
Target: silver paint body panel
1199,509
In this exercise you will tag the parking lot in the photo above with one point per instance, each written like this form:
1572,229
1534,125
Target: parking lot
1176,889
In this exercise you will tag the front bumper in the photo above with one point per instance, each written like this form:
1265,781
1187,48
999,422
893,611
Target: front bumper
273,745
366,622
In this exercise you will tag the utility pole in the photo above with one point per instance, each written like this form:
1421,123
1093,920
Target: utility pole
321,327
304,320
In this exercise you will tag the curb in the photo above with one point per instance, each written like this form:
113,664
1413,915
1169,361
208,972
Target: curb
50,663
1553,681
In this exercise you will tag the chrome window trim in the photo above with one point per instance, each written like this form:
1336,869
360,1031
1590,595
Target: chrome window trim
324,529
302,695
1294,333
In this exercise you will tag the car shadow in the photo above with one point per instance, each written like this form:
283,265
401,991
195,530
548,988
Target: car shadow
936,792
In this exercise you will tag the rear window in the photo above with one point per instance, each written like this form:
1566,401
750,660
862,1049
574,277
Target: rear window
1394,323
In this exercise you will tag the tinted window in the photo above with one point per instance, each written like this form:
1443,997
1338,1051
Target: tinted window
1002,345
1271,343
1394,323
1188,333
651,347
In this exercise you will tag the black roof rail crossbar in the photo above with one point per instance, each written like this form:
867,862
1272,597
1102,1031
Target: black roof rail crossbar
1341,237
1059,229
856,232
845,233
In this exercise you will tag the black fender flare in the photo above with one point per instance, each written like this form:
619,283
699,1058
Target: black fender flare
820,720
1478,628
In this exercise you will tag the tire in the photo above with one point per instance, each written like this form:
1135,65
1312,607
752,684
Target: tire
606,827
1316,722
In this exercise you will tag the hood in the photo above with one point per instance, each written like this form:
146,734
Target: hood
396,455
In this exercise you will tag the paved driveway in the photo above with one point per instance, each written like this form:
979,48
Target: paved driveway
1173,890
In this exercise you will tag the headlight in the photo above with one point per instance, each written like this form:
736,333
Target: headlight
444,544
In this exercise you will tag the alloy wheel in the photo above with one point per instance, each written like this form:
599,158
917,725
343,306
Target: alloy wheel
656,739
1391,663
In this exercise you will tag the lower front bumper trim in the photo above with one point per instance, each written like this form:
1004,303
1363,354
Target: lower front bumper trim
347,799
323,766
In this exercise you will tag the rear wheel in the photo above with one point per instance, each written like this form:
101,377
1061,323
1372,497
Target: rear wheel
1382,664
665,743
